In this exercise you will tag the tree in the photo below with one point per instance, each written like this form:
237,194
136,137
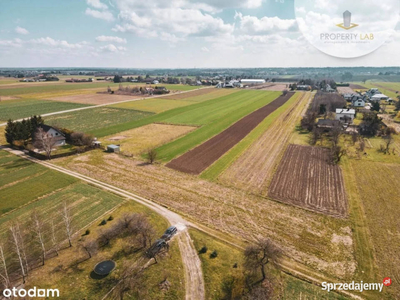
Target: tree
54,241
38,228
117,79
90,247
81,139
335,154
67,220
3,265
44,142
151,155
15,237
308,121
258,255
397,104
371,124
376,106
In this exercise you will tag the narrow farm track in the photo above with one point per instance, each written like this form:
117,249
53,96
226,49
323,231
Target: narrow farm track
200,158
193,271
100,105
254,168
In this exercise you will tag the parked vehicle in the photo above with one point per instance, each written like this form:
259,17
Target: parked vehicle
169,233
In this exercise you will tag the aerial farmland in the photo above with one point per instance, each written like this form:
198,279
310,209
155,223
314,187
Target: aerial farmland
227,166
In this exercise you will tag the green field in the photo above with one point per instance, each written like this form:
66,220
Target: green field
89,120
64,86
215,117
23,181
18,109
225,161
155,105
211,93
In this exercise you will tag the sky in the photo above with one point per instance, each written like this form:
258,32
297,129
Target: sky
167,34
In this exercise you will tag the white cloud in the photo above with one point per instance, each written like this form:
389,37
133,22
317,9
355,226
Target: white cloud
21,30
205,49
15,43
104,15
96,4
115,39
112,48
47,41
265,25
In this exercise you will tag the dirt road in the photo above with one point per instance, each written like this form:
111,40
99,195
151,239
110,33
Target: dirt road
192,264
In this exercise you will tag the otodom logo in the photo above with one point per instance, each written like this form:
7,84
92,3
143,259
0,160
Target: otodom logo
387,281
347,25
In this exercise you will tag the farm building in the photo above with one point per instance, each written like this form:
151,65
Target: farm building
304,87
113,149
53,132
252,81
379,97
358,101
348,97
345,115
327,124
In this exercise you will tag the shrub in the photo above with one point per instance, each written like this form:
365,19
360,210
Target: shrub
204,249
87,232
104,222
110,218
214,254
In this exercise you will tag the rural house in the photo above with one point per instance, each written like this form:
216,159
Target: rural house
379,97
53,132
327,125
345,115
357,101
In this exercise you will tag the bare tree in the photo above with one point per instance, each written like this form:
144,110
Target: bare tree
336,133
44,142
3,264
141,231
388,141
38,228
16,242
90,247
335,154
131,281
67,219
257,256
151,155
54,241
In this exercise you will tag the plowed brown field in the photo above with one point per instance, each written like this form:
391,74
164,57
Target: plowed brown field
305,179
253,170
200,158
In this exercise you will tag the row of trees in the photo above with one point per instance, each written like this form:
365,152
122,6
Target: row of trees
22,131
29,244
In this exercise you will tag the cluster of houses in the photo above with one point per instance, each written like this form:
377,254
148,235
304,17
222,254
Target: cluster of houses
79,80
361,100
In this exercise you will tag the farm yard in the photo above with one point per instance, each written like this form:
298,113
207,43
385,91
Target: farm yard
23,108
94,119
138,140
305,178
197,160
228,210
251,167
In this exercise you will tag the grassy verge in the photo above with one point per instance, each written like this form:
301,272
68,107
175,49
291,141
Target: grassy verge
225,161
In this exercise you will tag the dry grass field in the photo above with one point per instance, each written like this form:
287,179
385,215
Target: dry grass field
138,140
279,87
345,90
305,178
94,98
321,242
254,168
379,191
